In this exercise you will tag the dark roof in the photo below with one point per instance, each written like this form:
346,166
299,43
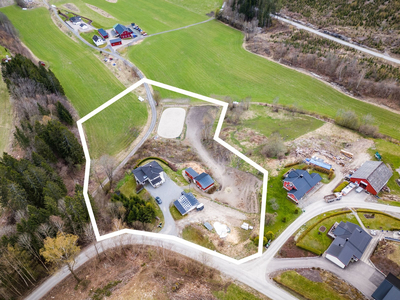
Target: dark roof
186,203
389,289
375,172
75,19
351,240
192,172
96,38
149,171
102,32
303,181
115,40
120,28
204,180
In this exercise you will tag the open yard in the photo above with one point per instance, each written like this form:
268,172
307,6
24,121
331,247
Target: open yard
378,220
386,257
216,64
5,116
86,81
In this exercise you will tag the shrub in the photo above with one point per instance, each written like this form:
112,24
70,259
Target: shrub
275,147
284,219
296,211
341,186
269,235
348,119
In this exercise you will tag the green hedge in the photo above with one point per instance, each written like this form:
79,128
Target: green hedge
310,249
341,186
139,162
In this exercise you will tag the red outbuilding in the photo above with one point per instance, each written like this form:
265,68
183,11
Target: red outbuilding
103,33
122,31
116,42
372,176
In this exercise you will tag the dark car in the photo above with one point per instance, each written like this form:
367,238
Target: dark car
158,199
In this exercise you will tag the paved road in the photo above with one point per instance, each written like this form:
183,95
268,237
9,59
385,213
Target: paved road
329,37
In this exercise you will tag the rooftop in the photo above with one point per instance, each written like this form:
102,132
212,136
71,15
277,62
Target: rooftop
375,172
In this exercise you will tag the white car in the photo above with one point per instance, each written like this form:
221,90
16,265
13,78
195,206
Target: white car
373,232
83,26
359,189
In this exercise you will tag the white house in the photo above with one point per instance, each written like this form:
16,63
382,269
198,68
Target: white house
98,40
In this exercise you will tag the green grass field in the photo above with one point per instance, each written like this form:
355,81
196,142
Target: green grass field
5,114
88,38
86,81
209,59
152,16
194,235
380,221
235,292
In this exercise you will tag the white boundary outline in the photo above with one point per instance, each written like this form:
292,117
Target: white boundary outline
216,138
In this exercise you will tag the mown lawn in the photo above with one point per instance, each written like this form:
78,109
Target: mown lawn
152,16
209,59
88,37
235,292
379,221
390,155
194,235
175,213
86,81
5,113
318,242
307,288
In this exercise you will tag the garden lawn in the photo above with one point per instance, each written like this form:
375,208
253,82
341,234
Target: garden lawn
380,221
318,243
390,155
235,292
86,81
194,235
175,213
88,38
6,115
209,59
152,16
308,289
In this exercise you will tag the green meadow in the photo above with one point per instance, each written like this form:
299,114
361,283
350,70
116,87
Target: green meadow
5,115
86,81
209,59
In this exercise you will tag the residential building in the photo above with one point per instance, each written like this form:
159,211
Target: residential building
349,244
372,176
389,289
299,182
76,20
186,203
98,40
151,173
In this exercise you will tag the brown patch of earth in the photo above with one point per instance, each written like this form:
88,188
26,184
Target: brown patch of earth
310,274
112,1
290,250
194,165
71,7
386,257
100,11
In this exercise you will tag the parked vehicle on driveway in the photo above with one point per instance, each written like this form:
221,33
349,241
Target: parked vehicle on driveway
158,200
359,189
332,197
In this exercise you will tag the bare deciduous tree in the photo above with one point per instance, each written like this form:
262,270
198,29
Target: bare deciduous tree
108,163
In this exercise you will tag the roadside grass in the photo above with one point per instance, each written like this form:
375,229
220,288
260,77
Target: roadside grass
194,235
86,81
88,38
380,220
175,213
390,155
316,241
307,288
285,213
6,112
152,16
235,292
216,64
289,126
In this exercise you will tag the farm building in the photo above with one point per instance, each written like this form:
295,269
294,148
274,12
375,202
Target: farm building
299,182
151,173
389,289
76,20
122,31
372,176
103,33
116,42
98,40
203,181
349,244
186,203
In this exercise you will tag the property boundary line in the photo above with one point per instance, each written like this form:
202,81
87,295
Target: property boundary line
216,138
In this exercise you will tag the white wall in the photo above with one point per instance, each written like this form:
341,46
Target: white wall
335,261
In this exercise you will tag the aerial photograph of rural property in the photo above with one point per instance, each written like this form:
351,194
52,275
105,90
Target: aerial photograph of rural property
200,149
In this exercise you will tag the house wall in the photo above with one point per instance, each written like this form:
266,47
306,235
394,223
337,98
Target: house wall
204,189
286,186
335,260
292,197
369,188
188,175
125,35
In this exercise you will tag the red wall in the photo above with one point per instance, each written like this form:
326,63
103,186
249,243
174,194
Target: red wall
369,187
198,184
125,35
188,175
116,44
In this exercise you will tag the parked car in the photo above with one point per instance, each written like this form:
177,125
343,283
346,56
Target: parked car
359,189
373,232
158,200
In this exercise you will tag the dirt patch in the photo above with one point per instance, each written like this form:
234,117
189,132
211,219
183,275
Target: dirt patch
290,250
386,257
112,1
322,229
310,274
194,165
71,7
100,11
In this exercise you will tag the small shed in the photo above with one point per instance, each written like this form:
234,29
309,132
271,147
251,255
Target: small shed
191,173
208,226
116,42
204,181
103,33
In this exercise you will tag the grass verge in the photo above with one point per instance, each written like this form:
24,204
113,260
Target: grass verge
175,213
5,115
235,292
194,235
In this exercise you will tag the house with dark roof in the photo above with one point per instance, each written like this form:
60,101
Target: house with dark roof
202,181
186,203
122,31
299,182
151,173
389,289
98,40
349,244
76,20
103,33
372,176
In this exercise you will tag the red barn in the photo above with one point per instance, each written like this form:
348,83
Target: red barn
103,33
192,174
116,42
372,176
203,181
122,31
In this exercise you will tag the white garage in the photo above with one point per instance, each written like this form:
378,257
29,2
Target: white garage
171,123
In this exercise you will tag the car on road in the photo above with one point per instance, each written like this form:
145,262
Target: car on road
158,200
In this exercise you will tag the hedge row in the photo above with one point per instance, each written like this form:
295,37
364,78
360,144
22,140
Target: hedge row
310,249
322,170
170,165
341,186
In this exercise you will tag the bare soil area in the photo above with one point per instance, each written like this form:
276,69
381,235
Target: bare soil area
290,250
71,7
386,257
100,11
141,272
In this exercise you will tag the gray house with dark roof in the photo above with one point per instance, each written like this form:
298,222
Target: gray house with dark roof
76,20
389,289
349,244
299,182
372,176
151,173
186,203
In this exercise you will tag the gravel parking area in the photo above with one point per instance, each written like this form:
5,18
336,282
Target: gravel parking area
79,29
171,123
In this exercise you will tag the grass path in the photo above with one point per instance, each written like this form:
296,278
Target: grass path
86,81
5,116
209,59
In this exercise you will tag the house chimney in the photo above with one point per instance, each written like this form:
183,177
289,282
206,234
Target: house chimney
301,175
347,239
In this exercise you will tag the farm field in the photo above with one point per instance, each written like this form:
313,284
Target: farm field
86,81
145,13
216,65
5,116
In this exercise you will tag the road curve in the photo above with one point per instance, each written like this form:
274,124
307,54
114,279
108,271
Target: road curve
362,49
